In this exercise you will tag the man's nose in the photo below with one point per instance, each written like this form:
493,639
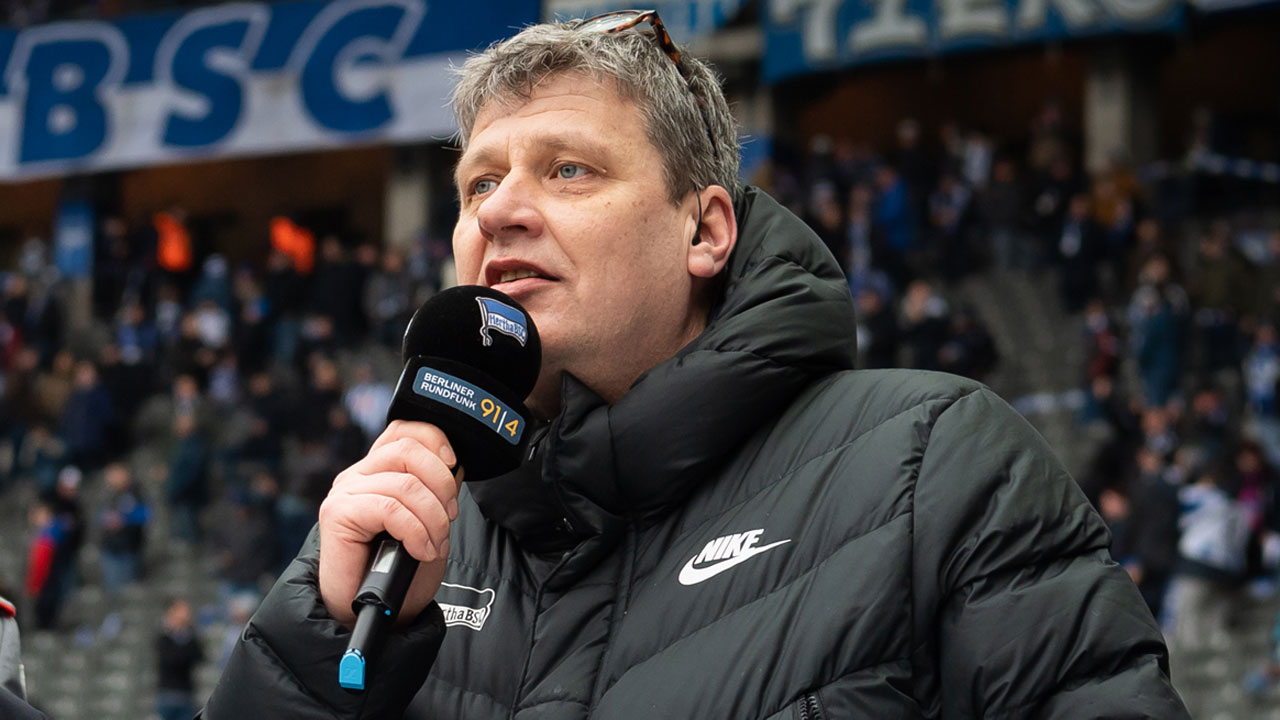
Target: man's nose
511,209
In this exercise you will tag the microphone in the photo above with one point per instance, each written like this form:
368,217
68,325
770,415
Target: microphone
471,356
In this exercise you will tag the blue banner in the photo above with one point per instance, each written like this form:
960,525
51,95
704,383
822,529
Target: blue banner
236,78
803,36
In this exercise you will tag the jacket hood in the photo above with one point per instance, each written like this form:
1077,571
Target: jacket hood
784,319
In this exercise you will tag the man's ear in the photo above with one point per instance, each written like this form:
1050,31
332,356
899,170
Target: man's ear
716,236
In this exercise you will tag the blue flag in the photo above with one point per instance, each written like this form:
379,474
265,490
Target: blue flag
496,315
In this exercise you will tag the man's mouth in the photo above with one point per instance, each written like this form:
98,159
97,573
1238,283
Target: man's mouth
511,275
501,272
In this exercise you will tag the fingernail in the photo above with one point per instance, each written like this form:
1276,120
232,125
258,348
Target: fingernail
452,509
446,454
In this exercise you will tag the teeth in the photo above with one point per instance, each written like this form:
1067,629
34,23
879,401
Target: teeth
510,275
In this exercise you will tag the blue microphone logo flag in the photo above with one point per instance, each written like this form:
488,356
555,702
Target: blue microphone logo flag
497,315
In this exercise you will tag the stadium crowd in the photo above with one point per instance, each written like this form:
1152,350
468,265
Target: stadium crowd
258,382
1176,289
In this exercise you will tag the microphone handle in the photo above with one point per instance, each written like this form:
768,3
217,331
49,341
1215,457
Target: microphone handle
376,605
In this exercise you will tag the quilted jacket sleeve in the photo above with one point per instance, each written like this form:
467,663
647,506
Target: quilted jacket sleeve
1032,618
286,662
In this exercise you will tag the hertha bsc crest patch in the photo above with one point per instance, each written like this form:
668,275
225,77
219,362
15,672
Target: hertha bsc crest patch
464,605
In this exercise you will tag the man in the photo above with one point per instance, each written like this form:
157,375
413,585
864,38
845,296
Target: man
123,518
716,519
178,652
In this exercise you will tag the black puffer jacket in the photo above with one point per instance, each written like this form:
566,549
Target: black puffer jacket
753,531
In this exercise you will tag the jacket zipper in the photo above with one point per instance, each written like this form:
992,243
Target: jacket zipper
810,708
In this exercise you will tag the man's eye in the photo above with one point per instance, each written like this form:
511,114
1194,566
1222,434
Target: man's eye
483,186
569,171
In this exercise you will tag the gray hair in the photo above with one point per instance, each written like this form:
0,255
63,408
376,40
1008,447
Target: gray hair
694,153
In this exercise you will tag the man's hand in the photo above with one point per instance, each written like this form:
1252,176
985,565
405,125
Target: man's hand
403,486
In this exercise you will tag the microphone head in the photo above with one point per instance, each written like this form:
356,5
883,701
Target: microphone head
480,328
472,356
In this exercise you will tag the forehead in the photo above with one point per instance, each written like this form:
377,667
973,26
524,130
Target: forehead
563,111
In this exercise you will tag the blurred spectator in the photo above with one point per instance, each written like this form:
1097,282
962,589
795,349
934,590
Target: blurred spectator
123,518
1153,537
43,455
247,540
188,354
1078,247
19,409
1001,212
859,248
136,336
827,220
112,266
213,285
306,483
187,488
336,291
239,610
1268,302
268,414
178,652
925,324
345,442
1158,434
42,326
58,527
1157,320
169,315
224,383
1210,426
1211,562
126,388
877,330
1262,384
948,225
88,420
322,392
1049,143
1102,346
186,397
284,292
43,585
1149,241
910,161
1052,193
893,221
976,164
212,325
367,401
252,329
1255,491
54,386
969,349
1222,290
386,299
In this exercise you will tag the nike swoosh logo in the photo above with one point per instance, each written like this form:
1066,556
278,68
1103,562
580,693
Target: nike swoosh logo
690,575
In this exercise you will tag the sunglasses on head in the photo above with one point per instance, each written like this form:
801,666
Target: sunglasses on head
623,20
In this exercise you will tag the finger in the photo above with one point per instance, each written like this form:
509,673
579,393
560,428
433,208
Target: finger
407,455
430,436
363,516
410,492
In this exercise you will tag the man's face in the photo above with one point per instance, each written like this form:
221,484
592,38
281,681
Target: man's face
564,208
